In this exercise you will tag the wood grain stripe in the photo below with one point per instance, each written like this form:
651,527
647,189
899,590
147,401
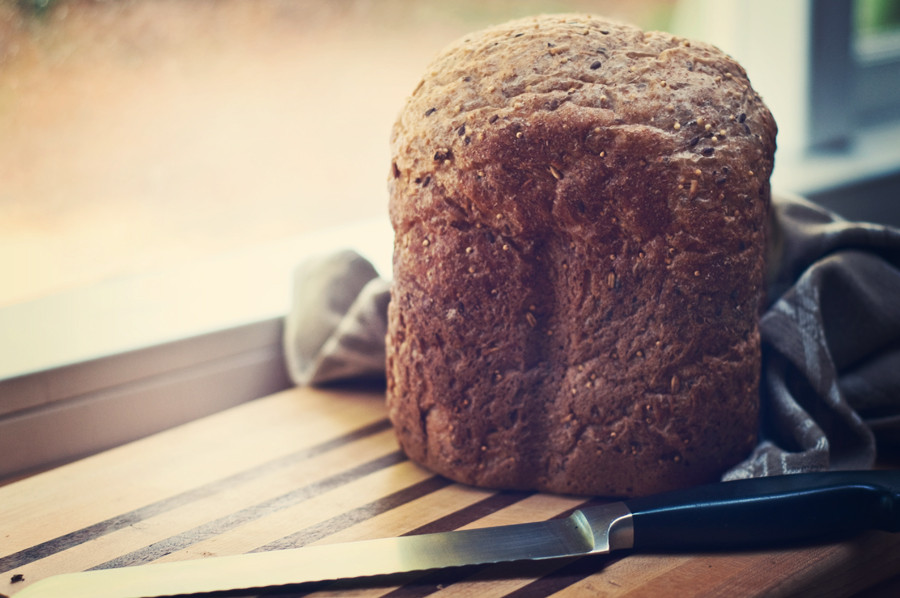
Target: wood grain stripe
411,584
570,571
181,541
107,526
442,581
429,583
466,579
471,513
564,572
357,515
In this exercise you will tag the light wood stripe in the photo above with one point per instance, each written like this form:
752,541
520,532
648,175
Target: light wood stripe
276,525
842,569
495,580
198,497
141,542
349,518
233,520
467,510
102,488
499,508
447,508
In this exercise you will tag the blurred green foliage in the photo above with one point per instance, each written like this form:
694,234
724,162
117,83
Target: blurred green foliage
36,7
876,16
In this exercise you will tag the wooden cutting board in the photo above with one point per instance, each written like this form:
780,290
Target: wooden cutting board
309,466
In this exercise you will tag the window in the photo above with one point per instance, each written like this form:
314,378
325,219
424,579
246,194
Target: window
855,69
165,165
876,54
151,151
137,136
828,69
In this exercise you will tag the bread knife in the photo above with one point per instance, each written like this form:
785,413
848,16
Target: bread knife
752,513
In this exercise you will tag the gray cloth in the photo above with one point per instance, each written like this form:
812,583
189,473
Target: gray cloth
831,339
338,320
831,346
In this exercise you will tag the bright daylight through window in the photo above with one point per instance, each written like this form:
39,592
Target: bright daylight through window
165,165
136,136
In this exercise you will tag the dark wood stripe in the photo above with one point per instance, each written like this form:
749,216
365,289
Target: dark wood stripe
484,507
64,542
552,575
570,572
222,524
564,572
359,514
436,580
408,582
428,583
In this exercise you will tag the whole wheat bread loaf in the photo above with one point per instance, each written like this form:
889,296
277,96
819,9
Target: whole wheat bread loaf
580,215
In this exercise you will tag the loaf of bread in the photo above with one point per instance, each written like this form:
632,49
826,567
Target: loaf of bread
580,213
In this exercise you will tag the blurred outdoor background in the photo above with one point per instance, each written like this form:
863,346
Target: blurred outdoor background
139,134
136,134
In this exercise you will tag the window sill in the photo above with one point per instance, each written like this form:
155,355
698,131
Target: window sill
88,369
126,314
874,154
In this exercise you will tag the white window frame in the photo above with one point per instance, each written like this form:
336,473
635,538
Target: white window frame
834,125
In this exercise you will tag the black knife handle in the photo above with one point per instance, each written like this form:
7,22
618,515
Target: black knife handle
768,511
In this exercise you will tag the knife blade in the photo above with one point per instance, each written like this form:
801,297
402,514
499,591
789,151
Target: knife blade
728,515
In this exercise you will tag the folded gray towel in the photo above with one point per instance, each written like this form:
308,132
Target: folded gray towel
831,339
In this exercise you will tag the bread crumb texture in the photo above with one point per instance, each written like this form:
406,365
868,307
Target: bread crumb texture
580,214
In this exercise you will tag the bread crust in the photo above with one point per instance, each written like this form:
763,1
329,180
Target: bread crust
580,216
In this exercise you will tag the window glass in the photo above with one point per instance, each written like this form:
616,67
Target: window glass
876,50
876,17
876,32
139,134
